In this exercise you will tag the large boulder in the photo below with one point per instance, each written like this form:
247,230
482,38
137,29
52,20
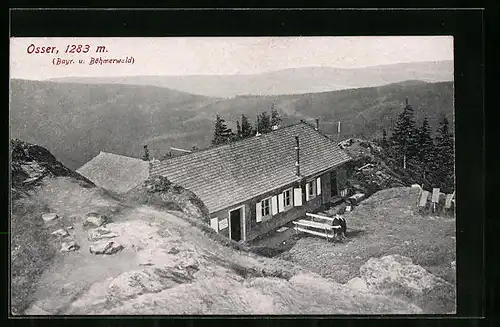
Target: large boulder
396,275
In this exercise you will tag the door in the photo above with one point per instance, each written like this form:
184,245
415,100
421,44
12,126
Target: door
333,184
235,217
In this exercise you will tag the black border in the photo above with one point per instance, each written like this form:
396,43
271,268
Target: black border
465,25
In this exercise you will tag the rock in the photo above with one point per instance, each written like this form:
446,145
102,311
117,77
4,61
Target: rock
453,264
406,243
69,246
173,250
100,233
49,216
416,186
396,275
105,247
94,220
70,227
60,232
133,283
357,284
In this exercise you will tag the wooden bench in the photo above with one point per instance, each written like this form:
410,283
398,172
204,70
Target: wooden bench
313,215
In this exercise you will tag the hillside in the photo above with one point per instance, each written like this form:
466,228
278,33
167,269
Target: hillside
363,112
97,254
289,81
76,121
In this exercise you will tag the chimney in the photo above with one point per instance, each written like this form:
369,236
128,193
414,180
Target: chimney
317,124
297,163
146,153
257,127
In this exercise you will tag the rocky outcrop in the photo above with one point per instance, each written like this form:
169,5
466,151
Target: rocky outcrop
30,163
398,276
160,192
369,171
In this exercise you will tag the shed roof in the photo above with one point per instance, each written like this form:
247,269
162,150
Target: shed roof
231,174
115,172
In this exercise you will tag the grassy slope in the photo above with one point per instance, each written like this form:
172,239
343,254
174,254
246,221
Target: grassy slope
76,121
136,280
32,250
384,224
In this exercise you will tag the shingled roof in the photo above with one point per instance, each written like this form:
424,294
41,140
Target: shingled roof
115,172
231,174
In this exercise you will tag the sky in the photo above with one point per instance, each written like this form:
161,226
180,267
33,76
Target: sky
220,55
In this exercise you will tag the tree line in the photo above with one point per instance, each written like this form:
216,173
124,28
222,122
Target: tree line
244,129
417,156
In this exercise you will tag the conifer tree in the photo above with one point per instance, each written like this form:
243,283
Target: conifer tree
264,123
222,134
426,154
405,134
425,144
444,157
246,127
239,133
384,141
275,117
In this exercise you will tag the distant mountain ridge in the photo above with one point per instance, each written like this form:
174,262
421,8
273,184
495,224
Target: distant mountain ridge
287,81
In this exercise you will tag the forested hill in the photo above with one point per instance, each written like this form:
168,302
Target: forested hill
76,121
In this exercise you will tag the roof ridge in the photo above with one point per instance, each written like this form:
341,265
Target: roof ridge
247,139
320,132
120,155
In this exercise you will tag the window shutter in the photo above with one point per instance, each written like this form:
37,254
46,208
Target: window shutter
307,191
214,223
274,205
297,197
281,203
258,212
318,186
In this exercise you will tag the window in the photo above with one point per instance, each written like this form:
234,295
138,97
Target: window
287,198
266,208
311,188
